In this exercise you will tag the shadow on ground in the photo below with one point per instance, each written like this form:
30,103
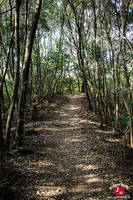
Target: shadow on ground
72,158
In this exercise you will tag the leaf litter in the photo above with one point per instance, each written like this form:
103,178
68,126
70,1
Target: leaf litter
65,156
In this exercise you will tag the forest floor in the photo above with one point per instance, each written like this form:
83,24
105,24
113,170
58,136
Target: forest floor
68,157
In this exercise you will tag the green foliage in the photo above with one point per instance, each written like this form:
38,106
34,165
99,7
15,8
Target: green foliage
91,51
43,21
130,15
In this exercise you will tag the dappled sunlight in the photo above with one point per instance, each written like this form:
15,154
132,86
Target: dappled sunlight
45,163
62,129
72,139
74,108
52,105
49,191
79,188
58,123
83,121
90,176
92,123
63,114
38,166
93,180
74,119
112,140
72,157
84,167
98,189
77,140
85,188
104,131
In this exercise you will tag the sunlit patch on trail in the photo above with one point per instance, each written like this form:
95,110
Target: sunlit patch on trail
77,140
45,191
73,139
74,108
84,167
93,180
79,188
112,140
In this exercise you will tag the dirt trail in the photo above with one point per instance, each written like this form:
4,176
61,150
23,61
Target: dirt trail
73,158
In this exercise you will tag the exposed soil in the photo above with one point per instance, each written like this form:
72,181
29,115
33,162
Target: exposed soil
66,156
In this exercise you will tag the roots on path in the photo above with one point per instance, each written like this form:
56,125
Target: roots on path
69,158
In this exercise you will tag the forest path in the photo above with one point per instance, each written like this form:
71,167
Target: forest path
73,159
76,160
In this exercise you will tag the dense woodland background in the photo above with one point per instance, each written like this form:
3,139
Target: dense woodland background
66,46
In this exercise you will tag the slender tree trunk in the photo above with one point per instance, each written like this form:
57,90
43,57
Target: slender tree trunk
96,61
7,63
26,24
1,93
78,81
1,132
117,89
16,80
130,118
62,61
25,73
112,62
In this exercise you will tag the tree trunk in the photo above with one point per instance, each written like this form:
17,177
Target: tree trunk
26,27
1,133
117,88
1,93
96,61
25,73
16,80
